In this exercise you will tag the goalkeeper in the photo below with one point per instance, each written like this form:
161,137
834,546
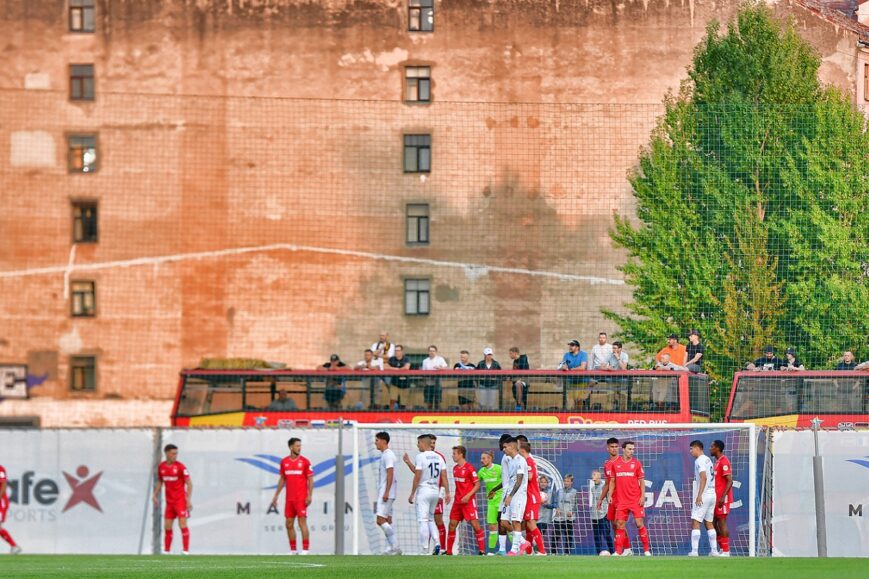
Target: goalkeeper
490,474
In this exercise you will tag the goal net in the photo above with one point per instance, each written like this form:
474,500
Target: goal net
559,451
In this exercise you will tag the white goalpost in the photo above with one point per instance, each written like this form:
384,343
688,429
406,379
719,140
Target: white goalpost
559,450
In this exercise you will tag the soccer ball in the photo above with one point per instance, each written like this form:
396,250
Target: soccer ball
604,553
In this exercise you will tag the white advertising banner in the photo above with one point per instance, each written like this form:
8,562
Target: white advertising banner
235,474
846,494
79,491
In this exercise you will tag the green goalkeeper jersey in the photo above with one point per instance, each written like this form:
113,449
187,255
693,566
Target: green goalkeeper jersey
491,477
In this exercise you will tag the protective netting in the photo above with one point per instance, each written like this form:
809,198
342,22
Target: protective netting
560,452
289,229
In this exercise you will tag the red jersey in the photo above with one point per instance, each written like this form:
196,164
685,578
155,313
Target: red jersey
720,470
627,476
608,472
533,482
296,472
173,476
465,477
3,479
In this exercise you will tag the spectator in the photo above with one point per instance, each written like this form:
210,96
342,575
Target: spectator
397,362
664,390
601,528
283,403
618,359
546,507
383,349
694,352
432,391
520,386
676,351
466,387
574,358
666,364
793,363
370,362
600,352
563,518
769,361
490,386
335,388
848,362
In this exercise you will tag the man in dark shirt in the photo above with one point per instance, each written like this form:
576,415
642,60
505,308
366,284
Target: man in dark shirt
335,388
694,352
489,387
791,362
769,361
397,362
465,386
520,387
848,362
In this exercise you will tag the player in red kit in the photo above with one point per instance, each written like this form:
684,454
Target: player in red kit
612,447
723,474
439,509
297,475
179,492
630,496
533,504
4,507
465,506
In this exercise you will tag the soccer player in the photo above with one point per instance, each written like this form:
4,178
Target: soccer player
465,505
428,477
179,493
629,492
296,474
4,507
532,506
490,475
439,509
723,473
516,495
703,508
386,492
504,525
612,447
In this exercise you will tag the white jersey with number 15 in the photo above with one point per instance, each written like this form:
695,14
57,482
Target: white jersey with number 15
431,465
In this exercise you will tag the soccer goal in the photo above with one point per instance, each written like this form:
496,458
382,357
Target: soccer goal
561,450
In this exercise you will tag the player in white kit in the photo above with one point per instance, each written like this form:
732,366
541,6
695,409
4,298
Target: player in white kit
386,492
516,495
430,475
703,507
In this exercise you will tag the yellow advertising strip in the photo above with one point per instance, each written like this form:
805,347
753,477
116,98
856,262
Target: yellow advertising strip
789,420
485,419
229,419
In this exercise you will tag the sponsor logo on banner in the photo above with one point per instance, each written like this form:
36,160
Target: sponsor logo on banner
37,497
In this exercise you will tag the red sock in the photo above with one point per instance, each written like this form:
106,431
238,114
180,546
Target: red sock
7,537
442,533
644,537
451,541
724,542
167,541
306,544
185,539
293,545
620,540
481,540
538,538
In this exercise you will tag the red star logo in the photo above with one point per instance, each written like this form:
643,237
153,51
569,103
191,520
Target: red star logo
82,488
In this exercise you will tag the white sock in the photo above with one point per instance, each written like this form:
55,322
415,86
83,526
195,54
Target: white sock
517,541
713,539
390,534
435,534
502,542
424,536
695,540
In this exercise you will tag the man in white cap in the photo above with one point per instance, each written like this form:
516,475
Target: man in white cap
490,386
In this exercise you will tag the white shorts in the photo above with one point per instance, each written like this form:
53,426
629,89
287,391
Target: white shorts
426,502
706,511
517,507
384,509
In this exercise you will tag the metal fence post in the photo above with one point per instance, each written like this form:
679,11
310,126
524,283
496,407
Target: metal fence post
820,510
340,495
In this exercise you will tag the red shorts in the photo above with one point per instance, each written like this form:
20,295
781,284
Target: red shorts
4,506
466,512
439,509
611,512
722,511
176,510
532,512
624,509
295,508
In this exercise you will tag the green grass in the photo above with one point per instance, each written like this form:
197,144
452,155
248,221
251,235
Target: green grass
425,568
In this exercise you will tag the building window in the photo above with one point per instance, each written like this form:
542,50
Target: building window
81,82
81,15
417,153
417,84
84,222
416,297
84,299
82,155
417,224
420,15
83,373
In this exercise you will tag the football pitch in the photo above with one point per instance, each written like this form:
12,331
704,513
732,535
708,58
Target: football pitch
390,567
